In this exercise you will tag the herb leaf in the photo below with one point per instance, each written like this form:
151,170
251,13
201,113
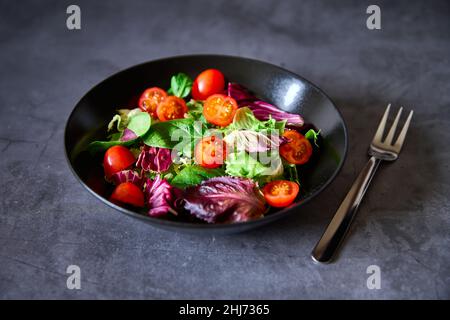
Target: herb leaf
312,135
291,173
180,85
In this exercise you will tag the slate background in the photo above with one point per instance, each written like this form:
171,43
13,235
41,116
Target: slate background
48,221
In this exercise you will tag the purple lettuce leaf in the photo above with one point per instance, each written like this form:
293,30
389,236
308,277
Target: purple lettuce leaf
261,109
159,197
128,135
225,199
240,93
127,176
264,111
154,159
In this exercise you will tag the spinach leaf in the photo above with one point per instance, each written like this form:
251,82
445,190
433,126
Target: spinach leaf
98,146
180,85
122,118
140,123
193,175
179,134
167,134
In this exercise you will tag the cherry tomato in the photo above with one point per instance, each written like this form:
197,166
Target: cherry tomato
298,150
219,109
280,193
128,193
171,108
150,99
209,82
210,152
117,158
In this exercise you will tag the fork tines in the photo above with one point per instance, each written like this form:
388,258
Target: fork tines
378,138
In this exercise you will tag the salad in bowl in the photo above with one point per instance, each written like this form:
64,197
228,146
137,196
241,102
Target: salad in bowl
204,150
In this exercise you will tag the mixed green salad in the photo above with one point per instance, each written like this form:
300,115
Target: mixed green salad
205,149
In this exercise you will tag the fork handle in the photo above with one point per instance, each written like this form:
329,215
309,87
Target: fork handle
339,225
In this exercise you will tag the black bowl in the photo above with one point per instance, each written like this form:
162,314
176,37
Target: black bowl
285,89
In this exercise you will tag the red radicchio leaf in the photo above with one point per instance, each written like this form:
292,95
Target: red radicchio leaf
225,199
284,140
262,110
239,93
158,196
127,176
154,159
128,135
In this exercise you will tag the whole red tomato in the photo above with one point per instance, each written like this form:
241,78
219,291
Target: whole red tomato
128,193
209,82
117,158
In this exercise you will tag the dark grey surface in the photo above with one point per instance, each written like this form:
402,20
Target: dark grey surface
48,221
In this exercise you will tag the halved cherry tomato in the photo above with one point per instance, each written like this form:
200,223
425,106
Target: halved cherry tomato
128,193
210,152
171,108
117,158
150,99
219,109
209,82
298,150
280,193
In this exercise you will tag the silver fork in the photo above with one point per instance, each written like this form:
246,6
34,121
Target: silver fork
379,150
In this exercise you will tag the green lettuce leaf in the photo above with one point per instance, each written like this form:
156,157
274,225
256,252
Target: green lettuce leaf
195,110
246,165
244,119
138,122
